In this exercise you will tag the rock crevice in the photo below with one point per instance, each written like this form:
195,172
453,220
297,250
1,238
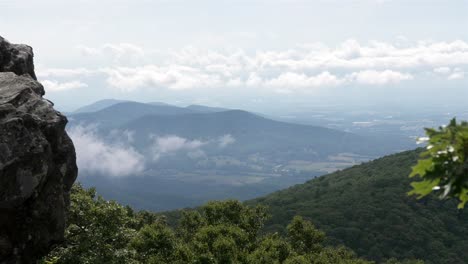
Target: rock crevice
37,161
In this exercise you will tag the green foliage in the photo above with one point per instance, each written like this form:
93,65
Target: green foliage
304,237
366,208
443,167
189,224
233,212
98,230
155,241
338,255
223,242
272,249
223,232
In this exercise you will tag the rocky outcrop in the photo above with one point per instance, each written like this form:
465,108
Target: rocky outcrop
17,58
37,161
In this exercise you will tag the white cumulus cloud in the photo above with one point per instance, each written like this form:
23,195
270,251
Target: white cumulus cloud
295,80
373,77
173,77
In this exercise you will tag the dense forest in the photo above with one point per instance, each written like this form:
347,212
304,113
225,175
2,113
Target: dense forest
101,231
367,208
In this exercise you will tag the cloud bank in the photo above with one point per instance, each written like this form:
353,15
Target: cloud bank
380,77
304,67
94,155
114,155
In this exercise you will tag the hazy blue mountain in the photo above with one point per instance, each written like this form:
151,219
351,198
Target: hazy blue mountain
158,103
206,109
99,105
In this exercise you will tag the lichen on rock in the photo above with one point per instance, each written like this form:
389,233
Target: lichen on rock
37,161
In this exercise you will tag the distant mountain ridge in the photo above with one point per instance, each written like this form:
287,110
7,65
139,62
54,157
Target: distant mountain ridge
98,105
206,109
105,103
120,113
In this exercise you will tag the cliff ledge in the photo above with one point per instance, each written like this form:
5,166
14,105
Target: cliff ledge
37,161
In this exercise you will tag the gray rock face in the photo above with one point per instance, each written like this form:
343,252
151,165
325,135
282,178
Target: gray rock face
37,161
17,58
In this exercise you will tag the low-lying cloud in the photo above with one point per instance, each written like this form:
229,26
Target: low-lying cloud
114,155
172,144
168,145
94,155
226,140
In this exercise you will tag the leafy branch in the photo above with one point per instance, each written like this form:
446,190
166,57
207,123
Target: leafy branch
443,166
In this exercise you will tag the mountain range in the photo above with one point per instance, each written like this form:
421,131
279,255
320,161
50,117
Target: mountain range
196,153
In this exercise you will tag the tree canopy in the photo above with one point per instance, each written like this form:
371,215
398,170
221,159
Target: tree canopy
228,231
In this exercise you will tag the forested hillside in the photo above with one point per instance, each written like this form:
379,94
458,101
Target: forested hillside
366,208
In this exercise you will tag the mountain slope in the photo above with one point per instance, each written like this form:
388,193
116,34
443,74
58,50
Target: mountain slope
253,133
366,208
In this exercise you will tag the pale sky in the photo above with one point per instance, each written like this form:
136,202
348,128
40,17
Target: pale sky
257,54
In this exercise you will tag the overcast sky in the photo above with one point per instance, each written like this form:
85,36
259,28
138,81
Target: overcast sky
256,54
